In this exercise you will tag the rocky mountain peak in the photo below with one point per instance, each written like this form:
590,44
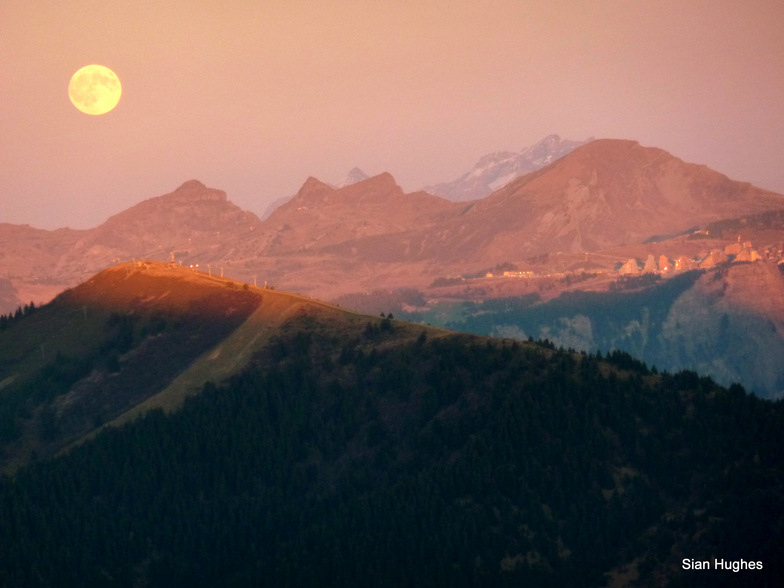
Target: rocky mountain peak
190,186
549,149
383,179
314,192
195,190
352,177
311,191
380,187
491,159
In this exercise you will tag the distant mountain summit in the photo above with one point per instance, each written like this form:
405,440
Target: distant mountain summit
191,217
168,223
354,175
495,170
491,172
321,216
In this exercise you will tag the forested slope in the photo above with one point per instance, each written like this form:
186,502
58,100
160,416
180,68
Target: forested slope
448,461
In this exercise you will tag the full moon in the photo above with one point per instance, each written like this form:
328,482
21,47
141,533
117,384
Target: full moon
95,89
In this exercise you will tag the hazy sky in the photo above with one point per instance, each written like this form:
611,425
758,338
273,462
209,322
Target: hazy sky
254,97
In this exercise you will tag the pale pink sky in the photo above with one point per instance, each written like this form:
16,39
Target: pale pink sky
254,97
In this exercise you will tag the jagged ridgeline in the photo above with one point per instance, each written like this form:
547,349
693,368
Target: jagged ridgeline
349,450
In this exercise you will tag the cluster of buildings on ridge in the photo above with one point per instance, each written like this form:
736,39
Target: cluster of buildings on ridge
735,252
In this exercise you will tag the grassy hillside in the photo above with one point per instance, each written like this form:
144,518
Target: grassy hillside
138,336
395,455
116,342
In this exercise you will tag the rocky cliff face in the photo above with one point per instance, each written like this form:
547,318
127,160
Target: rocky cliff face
730,325
726,322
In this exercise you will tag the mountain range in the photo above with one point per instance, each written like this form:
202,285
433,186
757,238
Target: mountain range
607,206
328,241
491,172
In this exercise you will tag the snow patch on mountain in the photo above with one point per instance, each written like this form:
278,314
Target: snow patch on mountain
495,170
